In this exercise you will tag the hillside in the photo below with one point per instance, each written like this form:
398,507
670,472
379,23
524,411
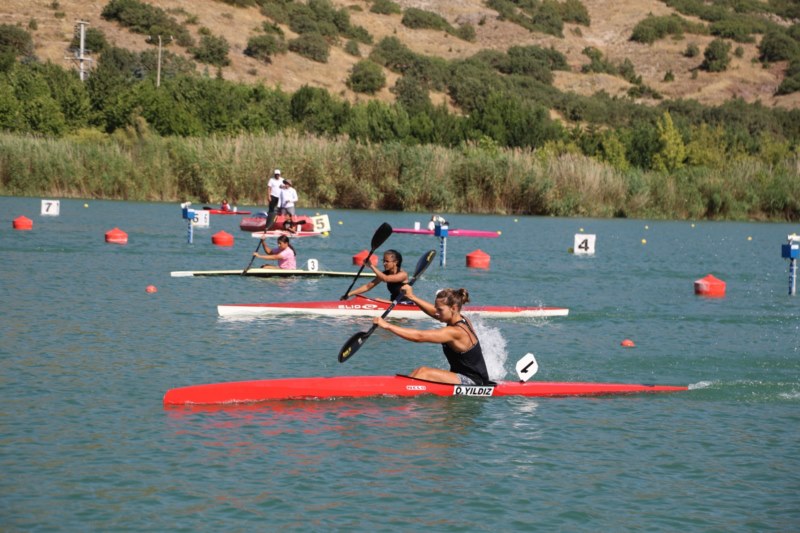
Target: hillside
610,30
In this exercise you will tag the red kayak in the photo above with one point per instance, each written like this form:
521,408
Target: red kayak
362,306
399,385
259,223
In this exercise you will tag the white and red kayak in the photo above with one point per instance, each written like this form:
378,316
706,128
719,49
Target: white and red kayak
290,234
399,385
362,306
215,211
451,233
268,273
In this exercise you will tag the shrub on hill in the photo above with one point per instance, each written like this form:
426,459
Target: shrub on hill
146,19
716,56
385,7
263,47
366,77
15,40
778,46
312,46
653,28
212,50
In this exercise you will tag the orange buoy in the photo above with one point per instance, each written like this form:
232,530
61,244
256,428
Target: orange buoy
710,286
151,289
23,223
627,343
358,259
478,259
116,236
222,238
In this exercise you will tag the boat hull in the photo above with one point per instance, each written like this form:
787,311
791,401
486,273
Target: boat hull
290,234
259,223
451,233
223,212
400,386
360,306
268,273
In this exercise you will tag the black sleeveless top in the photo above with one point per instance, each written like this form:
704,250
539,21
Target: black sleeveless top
470,363
395,292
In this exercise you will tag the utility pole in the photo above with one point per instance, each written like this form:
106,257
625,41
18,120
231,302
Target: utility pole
82,55
158,63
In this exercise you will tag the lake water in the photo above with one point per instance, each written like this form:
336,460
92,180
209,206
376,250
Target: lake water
87,355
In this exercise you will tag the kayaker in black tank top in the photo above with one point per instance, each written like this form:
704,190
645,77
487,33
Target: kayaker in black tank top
393,275
458,339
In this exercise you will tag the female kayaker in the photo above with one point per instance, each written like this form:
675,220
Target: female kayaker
392,274
458,339
284,253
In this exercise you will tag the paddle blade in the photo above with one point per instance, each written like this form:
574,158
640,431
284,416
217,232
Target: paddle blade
423,263
352,345
383,232
527,367
379,237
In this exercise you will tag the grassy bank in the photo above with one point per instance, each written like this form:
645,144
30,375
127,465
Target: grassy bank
342,174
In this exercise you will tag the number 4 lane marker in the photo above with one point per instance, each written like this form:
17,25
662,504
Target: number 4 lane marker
527,367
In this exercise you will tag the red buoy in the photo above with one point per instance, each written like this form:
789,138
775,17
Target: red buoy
23,223
710,286
151,289
358,259
478,259
116,236
222,238
627,343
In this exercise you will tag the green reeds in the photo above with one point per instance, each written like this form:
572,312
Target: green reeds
339,173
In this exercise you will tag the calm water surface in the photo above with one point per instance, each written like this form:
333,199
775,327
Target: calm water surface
87,354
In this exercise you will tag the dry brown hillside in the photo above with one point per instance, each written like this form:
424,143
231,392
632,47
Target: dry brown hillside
612,23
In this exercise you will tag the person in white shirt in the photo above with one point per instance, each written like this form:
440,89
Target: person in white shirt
288,199
274,187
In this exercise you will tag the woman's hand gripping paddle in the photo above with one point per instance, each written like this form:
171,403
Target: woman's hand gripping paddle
354,343
381,234
270,221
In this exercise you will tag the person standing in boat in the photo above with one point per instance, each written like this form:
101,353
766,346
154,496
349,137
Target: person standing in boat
458,339
284,254
288,199
274,187
392,274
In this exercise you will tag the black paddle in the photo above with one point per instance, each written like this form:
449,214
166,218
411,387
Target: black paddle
270,221
354,343
381,234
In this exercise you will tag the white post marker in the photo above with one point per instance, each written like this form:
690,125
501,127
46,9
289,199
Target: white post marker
527,367
202,218
584,244
321,223
312,265
51,208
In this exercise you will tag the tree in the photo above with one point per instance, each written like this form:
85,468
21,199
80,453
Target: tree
672,151
366,77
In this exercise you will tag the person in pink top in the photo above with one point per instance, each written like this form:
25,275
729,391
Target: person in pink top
284,254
